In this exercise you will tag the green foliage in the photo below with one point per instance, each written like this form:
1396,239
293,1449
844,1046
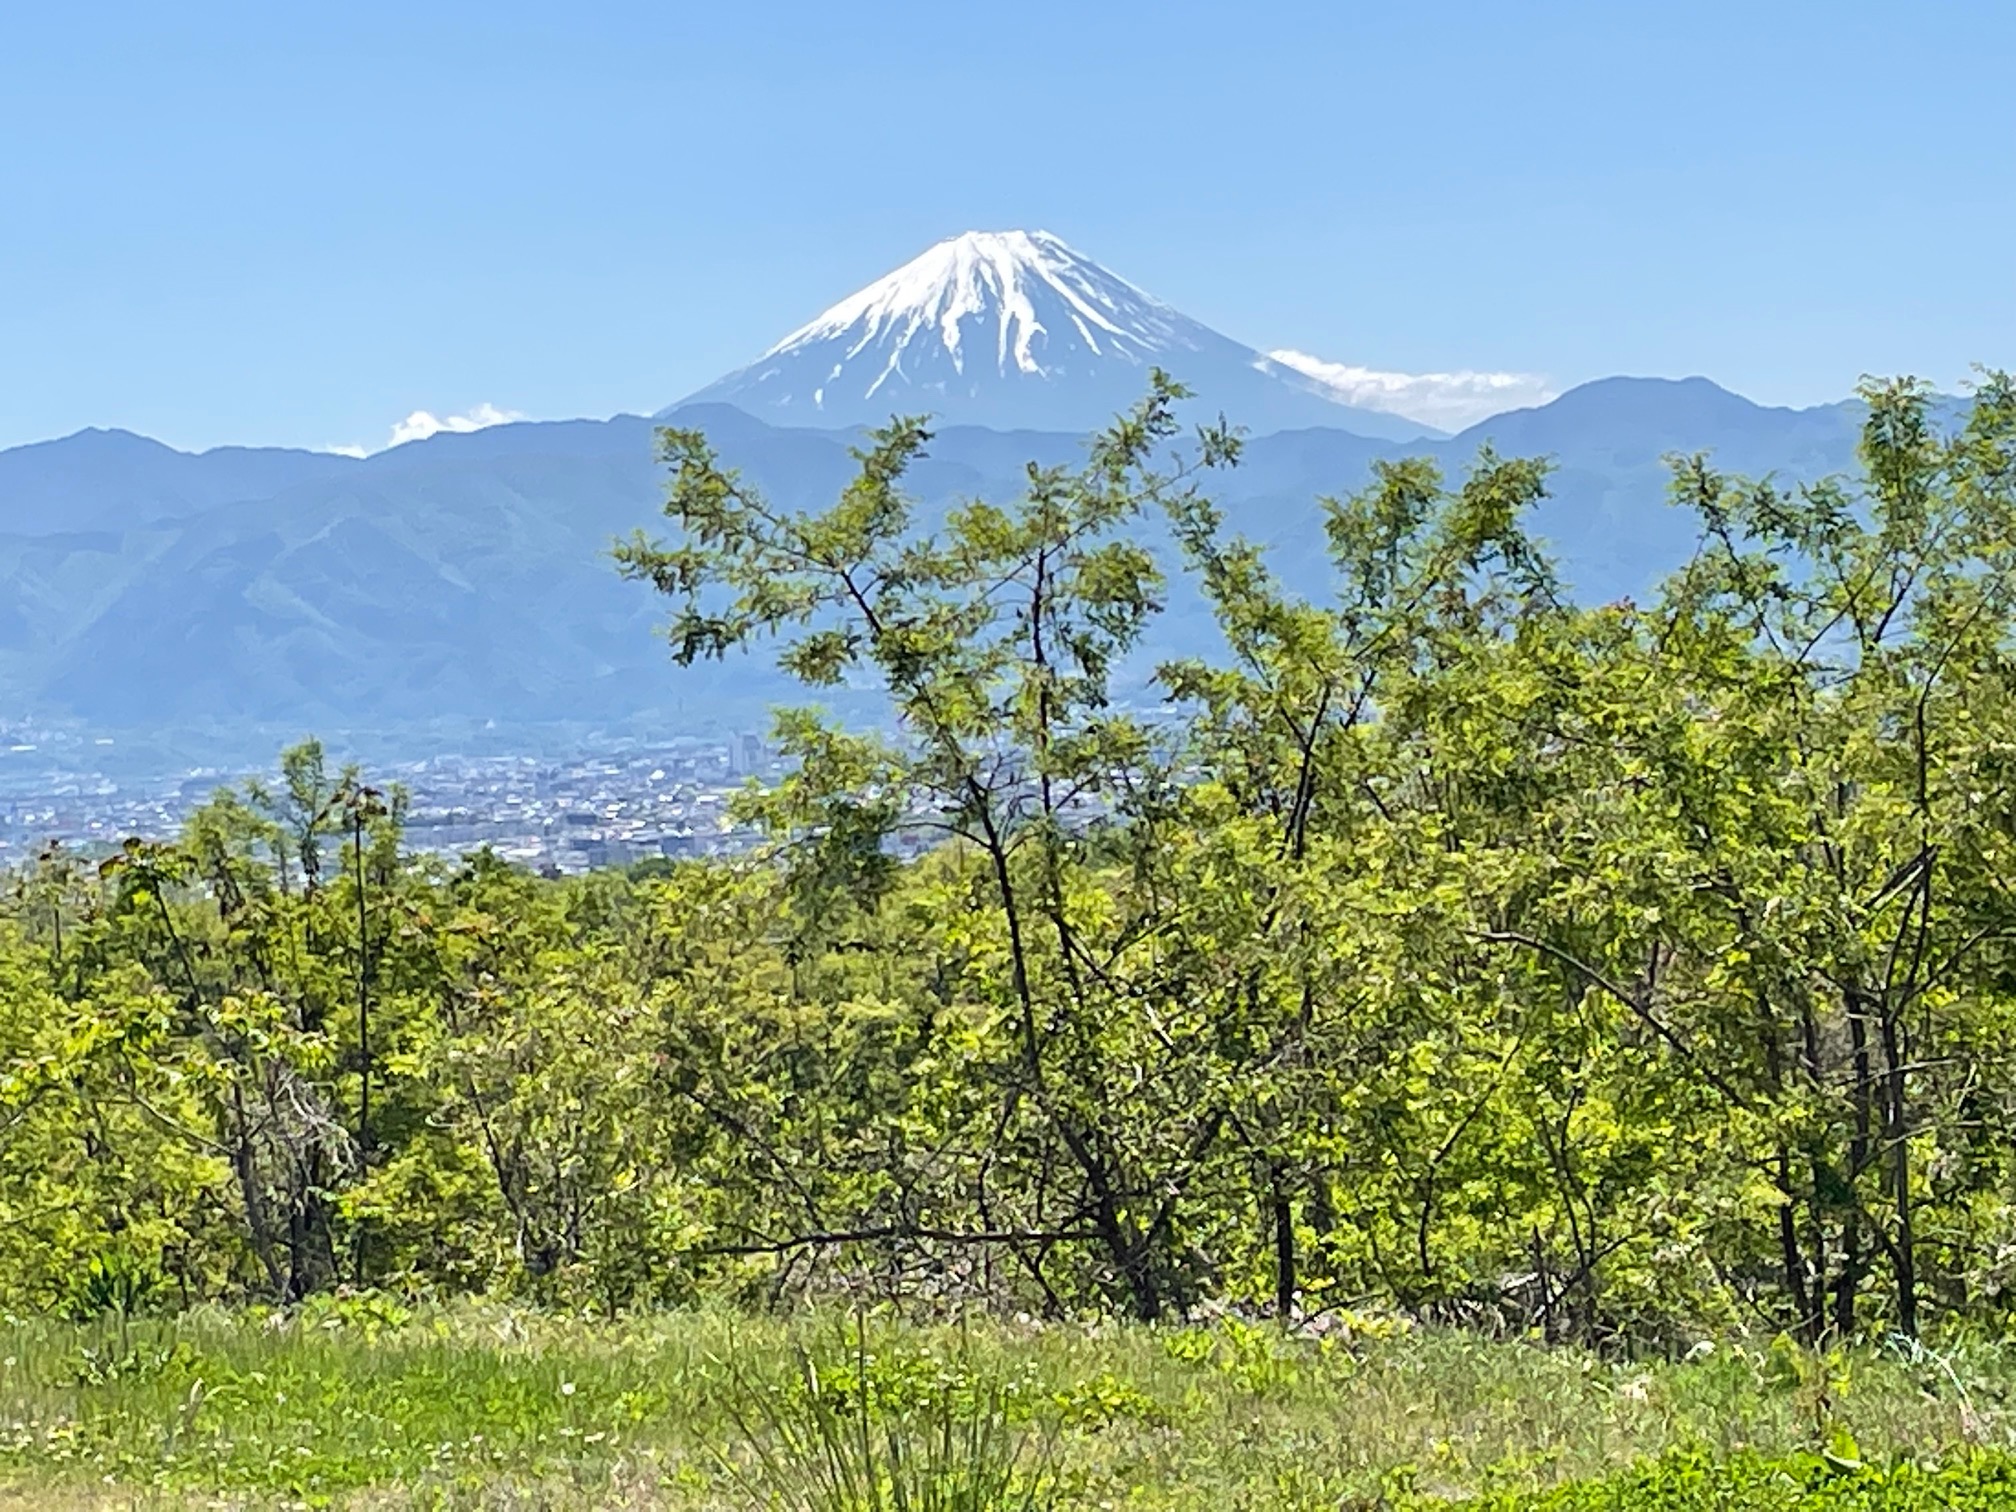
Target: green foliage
113,1283
1438,952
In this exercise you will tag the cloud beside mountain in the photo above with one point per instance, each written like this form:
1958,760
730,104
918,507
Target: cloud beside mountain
421,424
1447,401
1017,330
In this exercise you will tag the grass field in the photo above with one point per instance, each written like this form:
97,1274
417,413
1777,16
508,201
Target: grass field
363,1404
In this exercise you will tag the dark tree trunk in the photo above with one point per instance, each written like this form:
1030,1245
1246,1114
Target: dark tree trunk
1283,1207
1896,1135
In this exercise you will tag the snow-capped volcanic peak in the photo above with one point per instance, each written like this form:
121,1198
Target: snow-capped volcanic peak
995,298
1015,330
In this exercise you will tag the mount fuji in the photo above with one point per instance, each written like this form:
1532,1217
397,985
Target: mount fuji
1016,330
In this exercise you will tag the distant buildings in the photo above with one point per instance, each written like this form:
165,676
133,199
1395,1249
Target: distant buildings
593,810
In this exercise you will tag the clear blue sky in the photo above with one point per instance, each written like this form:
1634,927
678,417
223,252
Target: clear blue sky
292,223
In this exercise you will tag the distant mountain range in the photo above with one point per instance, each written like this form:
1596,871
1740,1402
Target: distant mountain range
457,592
463,581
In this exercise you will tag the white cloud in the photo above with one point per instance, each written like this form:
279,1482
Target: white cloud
419,425
1449,401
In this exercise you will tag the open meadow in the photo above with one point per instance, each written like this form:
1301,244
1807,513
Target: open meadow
359,1403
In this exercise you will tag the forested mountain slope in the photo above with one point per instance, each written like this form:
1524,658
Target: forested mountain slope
467,576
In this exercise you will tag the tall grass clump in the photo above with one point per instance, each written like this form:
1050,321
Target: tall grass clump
840,1440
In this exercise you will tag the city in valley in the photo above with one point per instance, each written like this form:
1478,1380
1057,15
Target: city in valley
553,814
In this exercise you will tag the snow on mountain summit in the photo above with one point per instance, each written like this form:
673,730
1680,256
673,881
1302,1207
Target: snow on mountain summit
1021,284
1017,330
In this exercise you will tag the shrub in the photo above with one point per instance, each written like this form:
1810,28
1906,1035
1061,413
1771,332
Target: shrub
831,1443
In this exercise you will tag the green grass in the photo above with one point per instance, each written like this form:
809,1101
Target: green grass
477,1406
1791,1483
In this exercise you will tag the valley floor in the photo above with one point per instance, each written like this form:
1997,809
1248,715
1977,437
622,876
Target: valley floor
360,1403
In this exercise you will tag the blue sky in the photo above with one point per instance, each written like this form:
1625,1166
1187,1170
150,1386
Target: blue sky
294,224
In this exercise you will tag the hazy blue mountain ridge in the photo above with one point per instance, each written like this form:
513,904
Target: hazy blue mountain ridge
113,479
466,577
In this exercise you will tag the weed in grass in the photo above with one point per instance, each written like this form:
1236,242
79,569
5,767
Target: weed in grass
842,1441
